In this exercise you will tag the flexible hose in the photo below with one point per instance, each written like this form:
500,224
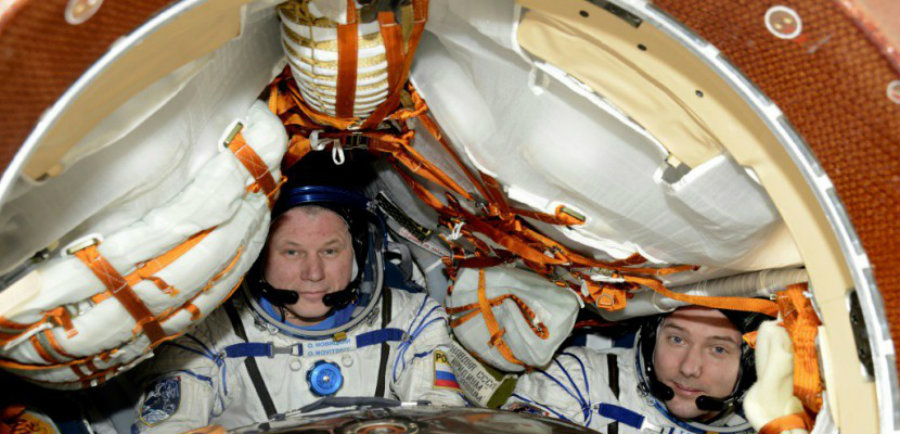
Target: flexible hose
756,284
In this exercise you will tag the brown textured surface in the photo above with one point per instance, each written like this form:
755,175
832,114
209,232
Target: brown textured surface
831,84
41,56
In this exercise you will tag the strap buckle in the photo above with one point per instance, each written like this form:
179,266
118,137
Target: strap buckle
235,127
81,244
291,350
357,140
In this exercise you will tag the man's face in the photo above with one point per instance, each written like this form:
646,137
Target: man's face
309,252
698,352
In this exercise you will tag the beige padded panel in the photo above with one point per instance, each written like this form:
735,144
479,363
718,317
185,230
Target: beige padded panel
189,36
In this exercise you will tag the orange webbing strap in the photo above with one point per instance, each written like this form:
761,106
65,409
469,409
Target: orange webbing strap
560,217
497,201
432,127
146,270
297,149
400,150
256,166
62,317
606,296
348,54
420,16
123,292
787,423
745,304
802,324
212,429
539,329
494,329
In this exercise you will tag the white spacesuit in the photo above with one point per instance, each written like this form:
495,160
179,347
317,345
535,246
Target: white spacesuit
246,363
614,391
577,387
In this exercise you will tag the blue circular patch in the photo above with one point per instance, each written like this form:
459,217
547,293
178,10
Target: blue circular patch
325,378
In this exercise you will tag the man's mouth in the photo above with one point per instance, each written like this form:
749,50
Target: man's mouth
685,390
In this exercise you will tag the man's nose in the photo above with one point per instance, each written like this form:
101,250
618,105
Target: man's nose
313,269
692,362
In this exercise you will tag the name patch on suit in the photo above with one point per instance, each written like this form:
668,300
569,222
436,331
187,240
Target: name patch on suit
328,347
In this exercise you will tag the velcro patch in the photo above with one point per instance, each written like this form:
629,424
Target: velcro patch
161,401
444,378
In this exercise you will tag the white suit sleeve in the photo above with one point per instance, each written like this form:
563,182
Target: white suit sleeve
421,368
180,388
561,390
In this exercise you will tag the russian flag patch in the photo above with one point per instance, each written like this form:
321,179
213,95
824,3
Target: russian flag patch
444,377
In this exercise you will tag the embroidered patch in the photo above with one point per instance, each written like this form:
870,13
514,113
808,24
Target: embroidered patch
161,401
444,378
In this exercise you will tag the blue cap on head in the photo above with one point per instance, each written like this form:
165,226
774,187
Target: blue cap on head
320,195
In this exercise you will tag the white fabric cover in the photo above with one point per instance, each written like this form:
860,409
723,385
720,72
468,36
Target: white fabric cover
578,381
116,182
553,306
772,396
560,148
215,199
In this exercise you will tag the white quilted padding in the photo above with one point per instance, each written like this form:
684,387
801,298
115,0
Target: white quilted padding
216,199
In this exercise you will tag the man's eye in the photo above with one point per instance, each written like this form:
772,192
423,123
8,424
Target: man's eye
720,351
291,252
330,252
677,340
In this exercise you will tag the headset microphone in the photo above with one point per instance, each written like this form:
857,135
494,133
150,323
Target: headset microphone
340,298
276,296
708,403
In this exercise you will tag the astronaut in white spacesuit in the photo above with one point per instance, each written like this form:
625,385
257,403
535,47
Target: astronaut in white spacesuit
310,321
687,372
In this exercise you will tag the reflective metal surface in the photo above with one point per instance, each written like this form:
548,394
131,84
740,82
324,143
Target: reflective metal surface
419,420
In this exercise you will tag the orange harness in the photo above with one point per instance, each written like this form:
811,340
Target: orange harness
120,288
489,216
484,307
802,324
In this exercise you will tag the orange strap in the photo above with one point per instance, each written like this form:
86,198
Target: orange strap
51,338
348,54
62,317
123,292
256,166
392,36
539,328
212,429
560,217
607,297
297,149
787,423
399,148
802,324
494,329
